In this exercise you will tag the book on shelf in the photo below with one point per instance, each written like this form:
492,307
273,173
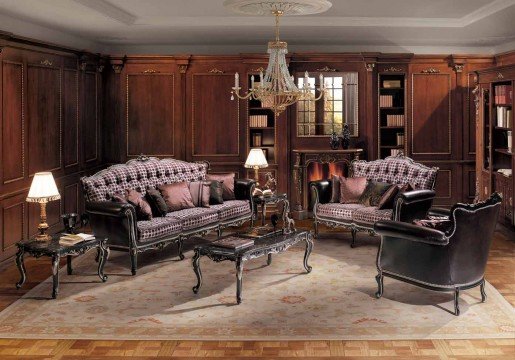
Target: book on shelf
503,94
386,101
256,139
400,139
73,239
258,121
394,120
234,243
510,141
395,152
504,116
391,84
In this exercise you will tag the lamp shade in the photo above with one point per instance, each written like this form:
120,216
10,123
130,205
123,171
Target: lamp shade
256,159
43,188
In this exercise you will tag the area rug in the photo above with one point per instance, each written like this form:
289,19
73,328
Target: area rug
280,302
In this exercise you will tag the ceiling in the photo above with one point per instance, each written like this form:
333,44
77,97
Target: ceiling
205,26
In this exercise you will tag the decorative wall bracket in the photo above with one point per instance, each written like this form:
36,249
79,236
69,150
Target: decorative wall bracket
183,68
100,68
117,68
83,65
370,66
500,75
459,67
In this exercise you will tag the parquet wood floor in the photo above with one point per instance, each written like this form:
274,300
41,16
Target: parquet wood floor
500,273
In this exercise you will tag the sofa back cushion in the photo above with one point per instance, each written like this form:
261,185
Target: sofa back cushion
177,196
140,175
396,170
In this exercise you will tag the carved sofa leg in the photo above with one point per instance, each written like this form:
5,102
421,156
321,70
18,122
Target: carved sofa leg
180,245
134,260
380,285
353,233
456,301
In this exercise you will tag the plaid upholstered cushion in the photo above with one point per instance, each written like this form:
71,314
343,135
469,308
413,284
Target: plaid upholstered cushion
140,175
232,209
337,211
157,227
371,214
396,170
194,217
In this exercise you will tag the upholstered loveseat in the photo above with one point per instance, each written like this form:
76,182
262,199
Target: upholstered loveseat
118,222
357,217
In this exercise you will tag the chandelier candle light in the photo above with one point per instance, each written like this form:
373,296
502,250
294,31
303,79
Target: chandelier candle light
277,89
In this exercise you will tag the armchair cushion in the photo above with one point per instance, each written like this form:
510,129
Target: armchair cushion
371,214
410,232
337,211
195,217
158,227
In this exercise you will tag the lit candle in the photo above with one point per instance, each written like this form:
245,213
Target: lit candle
261,79
321,81
252,82
236,80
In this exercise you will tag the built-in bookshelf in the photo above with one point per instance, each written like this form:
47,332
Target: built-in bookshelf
391,114
261,124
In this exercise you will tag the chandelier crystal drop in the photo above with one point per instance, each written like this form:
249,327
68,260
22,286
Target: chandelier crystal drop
276,88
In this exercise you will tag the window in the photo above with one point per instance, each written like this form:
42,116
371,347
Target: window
338,106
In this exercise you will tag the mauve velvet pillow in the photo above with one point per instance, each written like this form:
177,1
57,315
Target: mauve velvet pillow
228,184
351,189
200,191
143,210
177,196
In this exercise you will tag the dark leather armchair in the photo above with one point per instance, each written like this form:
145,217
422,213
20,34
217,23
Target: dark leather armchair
449,259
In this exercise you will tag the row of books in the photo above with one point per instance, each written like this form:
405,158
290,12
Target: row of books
258,120
257,139
395,152
504,117
391,84
386,101
503,94
394,120
400,139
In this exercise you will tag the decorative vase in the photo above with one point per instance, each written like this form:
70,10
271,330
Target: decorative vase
345,136
334,141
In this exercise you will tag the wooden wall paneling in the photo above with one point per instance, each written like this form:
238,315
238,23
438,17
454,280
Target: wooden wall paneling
90,118
112,146
150,111
448,183
44,99
13,122
469,182
70,110
13,223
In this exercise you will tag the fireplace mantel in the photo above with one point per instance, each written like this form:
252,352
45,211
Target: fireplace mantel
302,159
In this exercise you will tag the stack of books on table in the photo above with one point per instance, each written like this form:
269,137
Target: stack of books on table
73,239
234,243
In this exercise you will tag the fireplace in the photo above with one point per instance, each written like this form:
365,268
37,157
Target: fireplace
311,165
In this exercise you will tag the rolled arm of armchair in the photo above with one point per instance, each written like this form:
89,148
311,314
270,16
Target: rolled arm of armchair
115,221
413,205
321,191
243,188
441,212
411,232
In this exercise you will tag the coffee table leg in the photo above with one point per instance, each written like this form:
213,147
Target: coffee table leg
21,268
69,269
239,279
198,272
269,260
55,275
102,248
263,212
309,248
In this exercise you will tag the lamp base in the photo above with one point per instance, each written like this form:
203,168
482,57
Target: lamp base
43,237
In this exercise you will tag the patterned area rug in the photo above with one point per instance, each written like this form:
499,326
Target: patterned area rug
280,302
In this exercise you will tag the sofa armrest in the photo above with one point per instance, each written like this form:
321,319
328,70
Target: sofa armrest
243,189
321,191
394,229
440,212
413,205
115,221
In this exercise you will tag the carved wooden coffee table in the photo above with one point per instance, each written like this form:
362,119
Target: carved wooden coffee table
262,246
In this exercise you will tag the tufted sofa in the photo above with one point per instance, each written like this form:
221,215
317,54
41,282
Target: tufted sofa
117,221
357,217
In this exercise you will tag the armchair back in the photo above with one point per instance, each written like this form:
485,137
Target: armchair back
396,170
140,174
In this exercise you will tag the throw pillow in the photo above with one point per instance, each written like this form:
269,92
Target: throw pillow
228,184
157,203
373,193
335,189
216,193
177,196
387,200
351,189
200,191
143,210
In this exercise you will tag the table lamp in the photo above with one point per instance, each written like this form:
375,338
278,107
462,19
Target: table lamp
256,160
43,190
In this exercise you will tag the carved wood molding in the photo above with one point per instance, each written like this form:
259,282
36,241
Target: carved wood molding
100,68
117,68
183,68
392,69
150,71
459,67
216,71
370,66
500,75
430,71
327,69
259,69
46,62
82,65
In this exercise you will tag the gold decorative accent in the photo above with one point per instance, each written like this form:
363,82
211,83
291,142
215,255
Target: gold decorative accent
117,68
370,66
327,69
259,69
430,71
46,62
458,67
392,69
183,68
82,65
216,71
475,92
150,71
500,75
100,68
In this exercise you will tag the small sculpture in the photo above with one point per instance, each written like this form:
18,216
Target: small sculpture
345,136
288,223
334,141
271,183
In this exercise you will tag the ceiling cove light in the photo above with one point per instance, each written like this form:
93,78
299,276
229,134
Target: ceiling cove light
276,88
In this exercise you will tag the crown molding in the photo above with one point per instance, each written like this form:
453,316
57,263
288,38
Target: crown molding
109,10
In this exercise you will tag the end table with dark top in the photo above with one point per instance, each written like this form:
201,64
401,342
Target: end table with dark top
55,251
265,200
265,246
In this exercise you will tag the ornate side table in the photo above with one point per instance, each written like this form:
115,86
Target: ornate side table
265,246
272,199
55,251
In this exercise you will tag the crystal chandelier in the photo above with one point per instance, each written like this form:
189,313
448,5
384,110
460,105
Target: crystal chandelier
276,88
